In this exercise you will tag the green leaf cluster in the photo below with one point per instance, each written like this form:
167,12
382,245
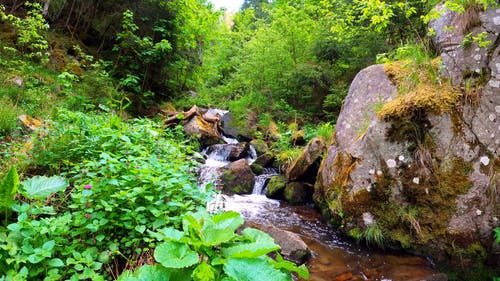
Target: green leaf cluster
208,248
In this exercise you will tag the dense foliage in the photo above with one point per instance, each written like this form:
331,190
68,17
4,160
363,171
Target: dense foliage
124,178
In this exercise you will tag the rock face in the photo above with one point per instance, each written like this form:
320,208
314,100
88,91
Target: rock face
430,182
238,178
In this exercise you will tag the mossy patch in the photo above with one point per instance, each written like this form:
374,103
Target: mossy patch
419,91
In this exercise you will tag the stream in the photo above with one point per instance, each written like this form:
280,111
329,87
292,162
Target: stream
333,258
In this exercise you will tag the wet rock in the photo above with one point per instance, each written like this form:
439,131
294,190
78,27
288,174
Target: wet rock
307,163
260,146
297,193
238,178
257,169
206,132
275,187
265,160
293,248
238,151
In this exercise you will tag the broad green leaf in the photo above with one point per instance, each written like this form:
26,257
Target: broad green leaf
280,263
140,228
175,255
221,228
8,187
41,187
260,244
147,273
167,234
55,263
203,272
245,269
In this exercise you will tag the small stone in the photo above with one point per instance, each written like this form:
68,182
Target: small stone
369,188
368,219
356,101
485,160
427,191
496,20
495,219
478,212
401,158
492,117
348,126
477,57
494,83
391,163
372,172
492,136
497,108
379,173
416,180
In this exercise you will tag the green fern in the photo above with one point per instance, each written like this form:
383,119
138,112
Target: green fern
8,188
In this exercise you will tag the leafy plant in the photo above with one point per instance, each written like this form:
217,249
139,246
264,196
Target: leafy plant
373,235
208,248
8,116
41,187
8,188
30,39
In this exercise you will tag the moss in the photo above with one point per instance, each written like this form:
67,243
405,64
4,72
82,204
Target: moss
343,166
419,91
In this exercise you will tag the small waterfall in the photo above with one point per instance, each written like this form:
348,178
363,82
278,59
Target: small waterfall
261,181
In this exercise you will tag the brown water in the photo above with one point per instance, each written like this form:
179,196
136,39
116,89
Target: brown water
333,258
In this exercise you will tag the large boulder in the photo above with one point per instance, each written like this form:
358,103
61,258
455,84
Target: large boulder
293,248
429,181
306,165
238,178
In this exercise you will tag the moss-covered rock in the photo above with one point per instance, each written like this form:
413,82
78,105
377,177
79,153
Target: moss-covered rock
260,146
238,178
297,193
275,187
257,169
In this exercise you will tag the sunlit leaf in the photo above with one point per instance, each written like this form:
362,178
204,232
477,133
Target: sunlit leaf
41,187
246,269
175,255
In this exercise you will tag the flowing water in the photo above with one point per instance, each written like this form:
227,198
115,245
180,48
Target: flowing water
333,257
